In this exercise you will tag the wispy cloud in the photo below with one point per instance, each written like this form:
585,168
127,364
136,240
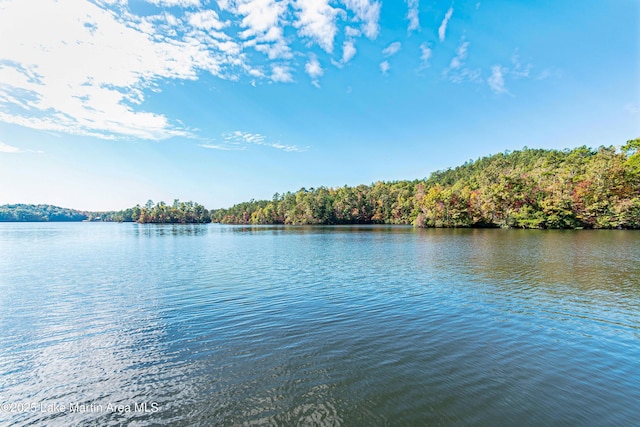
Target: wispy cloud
461,56
10,149
392,49
496,80
385,67
389,51
6,148
240,138
412,15
457,71
222,147
180,3
313,69
632,108
519,70
442,30
425,55
368,13
499,74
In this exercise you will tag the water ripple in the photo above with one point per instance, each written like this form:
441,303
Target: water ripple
328,326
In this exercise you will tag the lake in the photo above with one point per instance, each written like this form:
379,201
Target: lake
111,324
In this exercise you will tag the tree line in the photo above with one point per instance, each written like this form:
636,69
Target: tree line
529,188
39,213
158,213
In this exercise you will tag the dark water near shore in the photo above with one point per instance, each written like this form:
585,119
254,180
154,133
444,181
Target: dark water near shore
220,325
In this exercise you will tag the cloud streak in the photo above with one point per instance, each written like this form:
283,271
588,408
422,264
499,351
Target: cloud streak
6,148
10,149
392,49
496,80
457,71
425,55
442,30
240,138
412,15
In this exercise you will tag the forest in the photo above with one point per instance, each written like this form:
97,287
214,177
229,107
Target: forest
529,188
158,213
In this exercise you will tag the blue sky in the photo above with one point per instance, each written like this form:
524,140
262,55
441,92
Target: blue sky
105,104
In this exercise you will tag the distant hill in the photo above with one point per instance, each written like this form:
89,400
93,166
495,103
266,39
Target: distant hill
160,213
39,213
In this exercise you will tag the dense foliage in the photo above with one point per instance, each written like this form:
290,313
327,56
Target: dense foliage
159,213
21,212
530,188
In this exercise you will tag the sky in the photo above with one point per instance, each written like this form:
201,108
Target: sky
105,104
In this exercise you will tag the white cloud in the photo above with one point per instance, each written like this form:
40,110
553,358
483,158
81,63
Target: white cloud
392,49
90,70
179,3
368,13
281,74
461,55
412,15
6,148
466,75
443,26
277,50
385,67
10,149
348,51
518,69
496,80
222,147
206,20
85,71
351,32
499,74
239,138
313,69
457,72
425,55
262,22
259,16
317,20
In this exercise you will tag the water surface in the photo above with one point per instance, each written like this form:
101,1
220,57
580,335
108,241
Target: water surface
227,325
